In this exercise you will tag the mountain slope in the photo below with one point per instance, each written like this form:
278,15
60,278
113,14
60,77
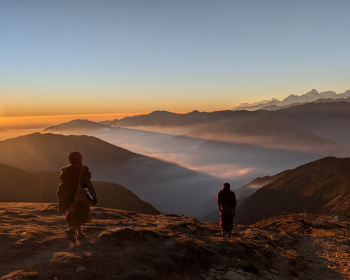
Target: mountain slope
136,140
74,125
328,120
124,245
267,130
21,186
242,194
322,186
168,187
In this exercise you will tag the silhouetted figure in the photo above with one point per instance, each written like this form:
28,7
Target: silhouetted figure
227,204
73,199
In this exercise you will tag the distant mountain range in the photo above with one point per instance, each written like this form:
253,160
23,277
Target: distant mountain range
240,145
21,186
313,126
293,100
236,146
168,187
236,162
319,187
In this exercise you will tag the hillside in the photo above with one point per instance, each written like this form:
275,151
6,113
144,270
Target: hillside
21,186
74,125
266,130
322,187
242,194
170,188
139,141
128,246
164,118
328,120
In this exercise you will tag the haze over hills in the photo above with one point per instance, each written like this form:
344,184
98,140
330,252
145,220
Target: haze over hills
236,146
319,187
306,128
135,140
328,120
266,130
22,186
234,162
168,187
292,100
243,193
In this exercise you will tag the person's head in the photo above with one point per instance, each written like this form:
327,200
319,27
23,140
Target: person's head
75,158
226,187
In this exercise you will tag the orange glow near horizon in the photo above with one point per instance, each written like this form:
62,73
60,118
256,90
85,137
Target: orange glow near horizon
30,121
21,125
13,126
37,121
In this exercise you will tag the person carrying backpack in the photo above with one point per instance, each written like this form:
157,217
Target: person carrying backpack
74,180
227,203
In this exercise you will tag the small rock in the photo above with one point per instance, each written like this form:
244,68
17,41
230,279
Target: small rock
55,278
208,278
80,269
231,275
273,271
273,277
250,275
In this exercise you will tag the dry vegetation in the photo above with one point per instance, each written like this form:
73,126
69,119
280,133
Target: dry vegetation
127,245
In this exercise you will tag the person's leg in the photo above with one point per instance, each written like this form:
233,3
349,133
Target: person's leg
71,230
71,233
81,234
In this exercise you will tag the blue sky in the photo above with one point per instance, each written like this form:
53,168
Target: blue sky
91,57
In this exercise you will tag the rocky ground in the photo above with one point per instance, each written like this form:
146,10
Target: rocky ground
127,245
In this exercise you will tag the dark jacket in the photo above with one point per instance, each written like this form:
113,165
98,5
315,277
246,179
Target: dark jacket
226,200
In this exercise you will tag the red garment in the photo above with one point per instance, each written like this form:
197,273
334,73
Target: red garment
227,203
78,212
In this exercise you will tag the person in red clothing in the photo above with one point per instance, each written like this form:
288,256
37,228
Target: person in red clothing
78,211
227,204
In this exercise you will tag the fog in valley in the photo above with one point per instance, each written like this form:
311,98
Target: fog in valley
237,160
180,168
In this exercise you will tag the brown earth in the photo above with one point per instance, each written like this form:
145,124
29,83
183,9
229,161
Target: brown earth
126,245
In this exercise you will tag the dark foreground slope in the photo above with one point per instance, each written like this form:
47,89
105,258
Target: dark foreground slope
126,245
17,185
322,187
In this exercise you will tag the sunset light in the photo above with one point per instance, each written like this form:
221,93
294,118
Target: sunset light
168,140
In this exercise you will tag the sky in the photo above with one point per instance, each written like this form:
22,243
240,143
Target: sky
125,57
